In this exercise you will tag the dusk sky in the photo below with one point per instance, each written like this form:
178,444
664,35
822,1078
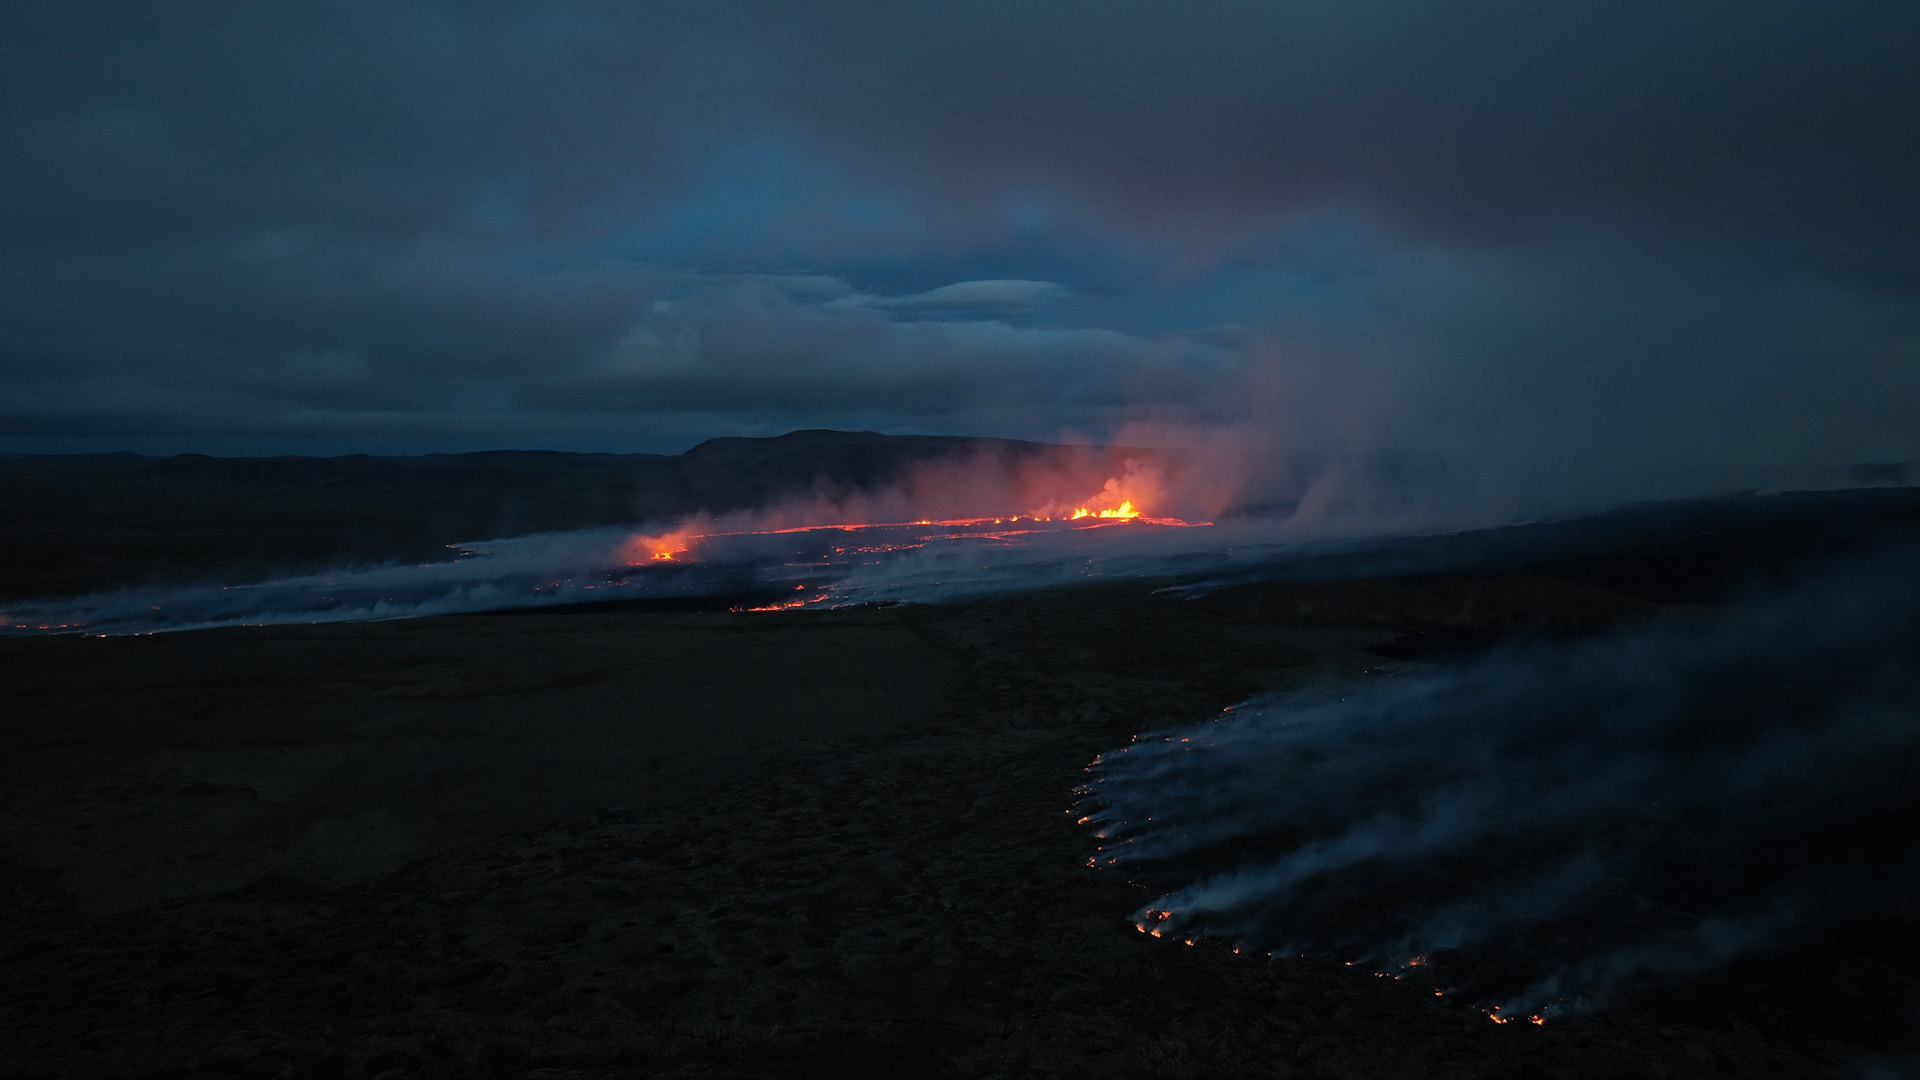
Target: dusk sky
1607,244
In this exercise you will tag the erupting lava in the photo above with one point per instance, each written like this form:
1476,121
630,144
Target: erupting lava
905,541
663,548
1111,506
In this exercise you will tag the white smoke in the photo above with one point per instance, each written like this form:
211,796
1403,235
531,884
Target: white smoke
1575,818
837,566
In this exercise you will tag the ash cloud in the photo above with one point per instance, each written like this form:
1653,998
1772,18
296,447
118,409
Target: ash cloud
1556,824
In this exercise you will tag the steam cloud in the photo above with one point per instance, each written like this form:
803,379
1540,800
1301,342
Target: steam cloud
1553,824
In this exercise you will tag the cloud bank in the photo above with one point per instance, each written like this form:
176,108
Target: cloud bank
1584,255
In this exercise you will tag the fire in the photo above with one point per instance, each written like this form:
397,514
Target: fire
1124,512
821,545
785,605
665,547
1112,504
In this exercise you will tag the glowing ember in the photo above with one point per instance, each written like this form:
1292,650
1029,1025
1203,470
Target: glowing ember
785,605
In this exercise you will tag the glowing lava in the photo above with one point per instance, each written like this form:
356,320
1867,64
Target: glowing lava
1111,506
1124,512
666,547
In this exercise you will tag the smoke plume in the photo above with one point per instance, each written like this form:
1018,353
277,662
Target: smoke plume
994,517
1554,823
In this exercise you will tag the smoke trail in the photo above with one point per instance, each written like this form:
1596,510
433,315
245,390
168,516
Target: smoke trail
710,558
526,571
961,523
1564,821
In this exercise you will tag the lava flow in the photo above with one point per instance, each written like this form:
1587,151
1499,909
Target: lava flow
864,541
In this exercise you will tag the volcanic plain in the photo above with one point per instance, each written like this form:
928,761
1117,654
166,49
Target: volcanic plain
675,841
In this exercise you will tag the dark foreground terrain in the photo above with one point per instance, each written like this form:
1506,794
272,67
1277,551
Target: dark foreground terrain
635,843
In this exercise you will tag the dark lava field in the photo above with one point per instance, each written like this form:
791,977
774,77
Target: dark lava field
649,842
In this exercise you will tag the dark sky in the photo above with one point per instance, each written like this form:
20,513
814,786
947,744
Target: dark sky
1605,244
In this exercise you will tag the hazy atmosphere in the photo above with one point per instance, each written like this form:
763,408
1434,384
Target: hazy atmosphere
1627,249
1120,540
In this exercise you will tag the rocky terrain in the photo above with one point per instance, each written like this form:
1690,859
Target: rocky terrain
670,839
715,844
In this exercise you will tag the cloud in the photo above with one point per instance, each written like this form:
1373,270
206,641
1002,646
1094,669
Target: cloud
736,342
1482,121
241,342
982,299
1607,246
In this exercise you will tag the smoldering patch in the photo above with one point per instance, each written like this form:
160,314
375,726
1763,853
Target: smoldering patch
1557,823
